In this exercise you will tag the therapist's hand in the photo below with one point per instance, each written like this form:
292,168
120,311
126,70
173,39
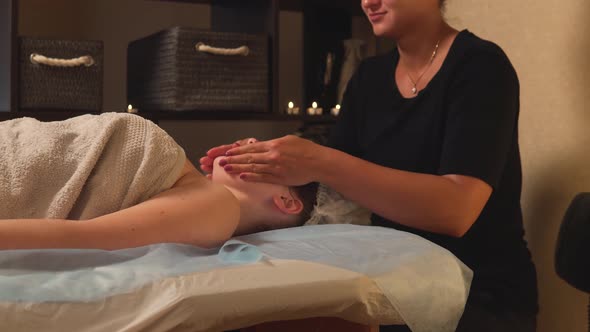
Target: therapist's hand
289,160
207,160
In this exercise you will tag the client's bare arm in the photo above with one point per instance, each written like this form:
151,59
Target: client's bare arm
194,211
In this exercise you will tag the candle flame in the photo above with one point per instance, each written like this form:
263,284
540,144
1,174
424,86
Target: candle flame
314,105
291,104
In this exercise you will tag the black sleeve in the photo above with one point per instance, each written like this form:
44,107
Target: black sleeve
482,118
344,133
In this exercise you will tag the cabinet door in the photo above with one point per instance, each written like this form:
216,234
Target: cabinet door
8,55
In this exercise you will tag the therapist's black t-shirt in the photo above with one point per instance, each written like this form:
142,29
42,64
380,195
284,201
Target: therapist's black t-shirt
464,122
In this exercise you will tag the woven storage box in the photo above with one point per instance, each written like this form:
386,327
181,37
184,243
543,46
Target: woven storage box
45,83
167,72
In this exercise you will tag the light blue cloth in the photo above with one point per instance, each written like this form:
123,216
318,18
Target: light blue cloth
234,251
426,284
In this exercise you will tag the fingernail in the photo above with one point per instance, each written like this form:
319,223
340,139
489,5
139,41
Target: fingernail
227,168
236,144
243,176
228,153
222,162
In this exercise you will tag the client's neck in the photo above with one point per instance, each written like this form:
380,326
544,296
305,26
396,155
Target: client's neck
251,215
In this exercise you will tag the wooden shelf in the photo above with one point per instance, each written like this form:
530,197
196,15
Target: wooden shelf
251,16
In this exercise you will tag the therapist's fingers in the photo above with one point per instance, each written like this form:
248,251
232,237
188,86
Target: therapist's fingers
252,147
269,173
260,173
220,150
252,167
206,161
244,159
206,164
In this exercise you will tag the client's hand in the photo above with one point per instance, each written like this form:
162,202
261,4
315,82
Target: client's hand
207,160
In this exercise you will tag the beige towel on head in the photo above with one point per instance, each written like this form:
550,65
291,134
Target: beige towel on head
83,167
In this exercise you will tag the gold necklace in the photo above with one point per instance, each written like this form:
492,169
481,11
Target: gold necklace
415,83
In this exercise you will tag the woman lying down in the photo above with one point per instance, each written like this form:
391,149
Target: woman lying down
116,180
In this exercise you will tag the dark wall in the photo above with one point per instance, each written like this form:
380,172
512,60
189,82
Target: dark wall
6,53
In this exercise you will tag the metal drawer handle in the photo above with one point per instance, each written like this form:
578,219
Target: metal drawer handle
85,60
242,50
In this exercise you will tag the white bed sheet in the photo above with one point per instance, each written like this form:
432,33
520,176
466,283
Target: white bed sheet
365,274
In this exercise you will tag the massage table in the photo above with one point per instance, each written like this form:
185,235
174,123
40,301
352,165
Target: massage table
311,278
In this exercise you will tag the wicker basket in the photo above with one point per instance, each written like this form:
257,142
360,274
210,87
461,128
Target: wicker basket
167,72
50,77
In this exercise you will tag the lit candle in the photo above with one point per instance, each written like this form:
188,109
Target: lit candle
291,109
130,109
335,110
314,109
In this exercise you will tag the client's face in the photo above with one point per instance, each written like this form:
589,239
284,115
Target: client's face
269,206
253,189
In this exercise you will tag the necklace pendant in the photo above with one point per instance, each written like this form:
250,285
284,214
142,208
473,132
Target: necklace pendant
414,90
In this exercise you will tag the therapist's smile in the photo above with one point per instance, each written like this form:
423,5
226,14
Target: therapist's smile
376,17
